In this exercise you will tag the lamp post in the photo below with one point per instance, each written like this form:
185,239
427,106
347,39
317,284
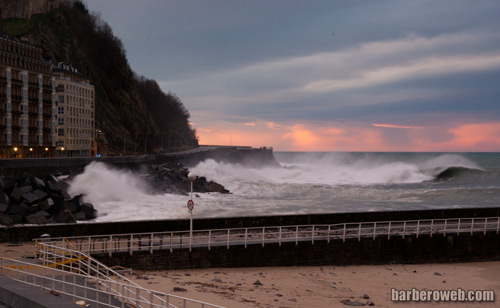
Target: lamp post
191,176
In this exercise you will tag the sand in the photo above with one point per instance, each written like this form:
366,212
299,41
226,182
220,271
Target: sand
321,286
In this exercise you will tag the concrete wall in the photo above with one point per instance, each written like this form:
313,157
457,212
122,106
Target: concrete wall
450,248
27,233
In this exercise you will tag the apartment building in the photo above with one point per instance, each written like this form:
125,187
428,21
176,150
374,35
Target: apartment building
75,112
27,101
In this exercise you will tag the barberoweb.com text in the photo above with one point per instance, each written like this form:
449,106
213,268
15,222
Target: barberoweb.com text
458,295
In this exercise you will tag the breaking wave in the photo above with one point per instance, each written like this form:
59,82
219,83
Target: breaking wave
339,169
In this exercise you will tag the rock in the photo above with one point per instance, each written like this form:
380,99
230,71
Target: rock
46,204
37,182
6,220
16,194
55,293
365,296
51,177
40,194
80,215
3,207
4,198
36,219
30,198
26,188
18,209
216,280
88,209
257,283
370,303
437,274
54,187
293,299
73,204
65,216
348,302
179,289
444,281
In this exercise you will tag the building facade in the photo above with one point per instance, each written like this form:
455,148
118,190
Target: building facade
75,103
27,101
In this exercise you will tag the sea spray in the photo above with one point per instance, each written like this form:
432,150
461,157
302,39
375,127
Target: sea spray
307,183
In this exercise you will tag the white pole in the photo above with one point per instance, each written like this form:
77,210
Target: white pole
191,220
190,229
191,177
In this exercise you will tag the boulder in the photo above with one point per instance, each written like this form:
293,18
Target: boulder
18,209
36,219
26,188
65,216
88,209
37,182
16,194
16,219
30,198
72,204
80,215
46,204
3,207
6,220
40,194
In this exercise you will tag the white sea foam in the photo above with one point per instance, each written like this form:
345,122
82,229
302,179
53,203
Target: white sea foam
306,183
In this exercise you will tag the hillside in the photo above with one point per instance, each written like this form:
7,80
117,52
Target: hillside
129,108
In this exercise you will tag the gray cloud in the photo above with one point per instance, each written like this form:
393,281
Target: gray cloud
317,60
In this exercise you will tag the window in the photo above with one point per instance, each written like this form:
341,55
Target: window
61,99
60,121
60,110
60,132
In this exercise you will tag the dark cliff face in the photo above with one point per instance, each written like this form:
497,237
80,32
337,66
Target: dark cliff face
126,110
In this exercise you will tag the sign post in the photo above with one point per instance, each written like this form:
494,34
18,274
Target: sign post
190,205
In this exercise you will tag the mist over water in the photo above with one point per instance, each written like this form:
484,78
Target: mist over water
306,183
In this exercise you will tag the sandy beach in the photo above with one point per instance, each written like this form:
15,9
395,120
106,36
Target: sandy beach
322,286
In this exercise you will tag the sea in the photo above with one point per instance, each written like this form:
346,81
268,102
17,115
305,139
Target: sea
305,183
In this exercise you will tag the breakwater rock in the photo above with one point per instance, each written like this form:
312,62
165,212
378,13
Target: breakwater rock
40,200
173,178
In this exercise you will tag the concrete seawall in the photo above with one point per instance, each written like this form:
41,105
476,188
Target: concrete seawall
381,250
27,233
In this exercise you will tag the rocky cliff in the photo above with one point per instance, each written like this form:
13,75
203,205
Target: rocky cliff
129,108
24,9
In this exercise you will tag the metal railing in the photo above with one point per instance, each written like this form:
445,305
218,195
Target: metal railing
94,290
115,289
134,242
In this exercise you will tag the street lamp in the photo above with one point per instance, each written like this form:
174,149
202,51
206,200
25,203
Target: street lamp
190,205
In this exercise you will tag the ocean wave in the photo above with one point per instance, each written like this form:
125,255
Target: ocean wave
338,169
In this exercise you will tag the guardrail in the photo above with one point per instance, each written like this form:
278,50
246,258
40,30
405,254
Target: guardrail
115,287
101,292
119,243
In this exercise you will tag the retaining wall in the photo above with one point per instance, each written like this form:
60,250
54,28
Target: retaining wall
424,249
27,233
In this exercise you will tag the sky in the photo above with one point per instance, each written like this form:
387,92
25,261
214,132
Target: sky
323,75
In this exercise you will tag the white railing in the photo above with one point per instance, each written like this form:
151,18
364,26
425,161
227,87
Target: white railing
119,243
101,292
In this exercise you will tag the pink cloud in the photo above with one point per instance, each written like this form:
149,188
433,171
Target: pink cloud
396,126
355,136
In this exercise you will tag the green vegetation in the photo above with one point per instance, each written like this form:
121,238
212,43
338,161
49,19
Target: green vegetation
129,108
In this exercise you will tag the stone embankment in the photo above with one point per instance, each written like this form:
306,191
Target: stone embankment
40,200
173,178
